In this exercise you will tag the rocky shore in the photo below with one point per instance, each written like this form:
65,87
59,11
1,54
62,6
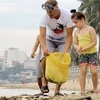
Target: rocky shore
88,96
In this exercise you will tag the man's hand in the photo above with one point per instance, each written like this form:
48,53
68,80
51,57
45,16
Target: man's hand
66,51
46,52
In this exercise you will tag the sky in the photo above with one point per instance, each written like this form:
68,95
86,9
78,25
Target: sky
19,22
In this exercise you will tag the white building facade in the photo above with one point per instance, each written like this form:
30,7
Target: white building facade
31,64
22,56
13,54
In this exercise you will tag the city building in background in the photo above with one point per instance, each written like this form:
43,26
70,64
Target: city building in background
16,67
1,63
30,64
13,55
22,56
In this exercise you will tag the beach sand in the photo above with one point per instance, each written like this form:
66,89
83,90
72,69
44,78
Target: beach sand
70,85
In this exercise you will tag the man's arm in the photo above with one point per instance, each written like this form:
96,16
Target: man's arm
43,37
43,40
35,46
69,38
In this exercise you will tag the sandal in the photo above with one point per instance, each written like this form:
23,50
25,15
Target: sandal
45,89
37,95
89,92
58,94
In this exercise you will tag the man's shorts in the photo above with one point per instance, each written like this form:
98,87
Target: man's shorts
90,59
39,70
53,44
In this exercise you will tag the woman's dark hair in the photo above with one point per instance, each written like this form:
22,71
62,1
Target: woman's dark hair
77,15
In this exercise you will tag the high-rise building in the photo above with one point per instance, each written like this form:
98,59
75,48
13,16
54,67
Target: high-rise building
22,56
31,63
13,54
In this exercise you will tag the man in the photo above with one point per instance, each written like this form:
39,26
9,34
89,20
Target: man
56,30
39,72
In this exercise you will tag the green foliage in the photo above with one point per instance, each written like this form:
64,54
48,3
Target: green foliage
0,67
4,75
14,70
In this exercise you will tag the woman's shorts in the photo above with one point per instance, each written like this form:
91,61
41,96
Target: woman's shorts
90,59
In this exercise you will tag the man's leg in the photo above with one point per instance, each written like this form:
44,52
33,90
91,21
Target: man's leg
60,48
43,65
44,88
51,48
39,80
57,88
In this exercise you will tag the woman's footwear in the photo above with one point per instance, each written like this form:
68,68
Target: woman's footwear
45,89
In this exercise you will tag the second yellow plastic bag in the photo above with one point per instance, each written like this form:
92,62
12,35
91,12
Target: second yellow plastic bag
57,67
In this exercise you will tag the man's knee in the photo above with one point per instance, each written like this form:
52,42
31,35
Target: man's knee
43,62
39,79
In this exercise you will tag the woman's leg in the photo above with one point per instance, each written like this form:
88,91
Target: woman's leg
94,73
83,72
93,68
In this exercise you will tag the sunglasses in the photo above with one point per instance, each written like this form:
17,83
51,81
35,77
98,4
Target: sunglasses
48,7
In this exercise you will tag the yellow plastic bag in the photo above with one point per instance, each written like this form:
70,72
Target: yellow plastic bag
57,67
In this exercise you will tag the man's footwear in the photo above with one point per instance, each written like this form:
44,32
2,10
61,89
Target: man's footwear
89,92
58,94
41,93
37,95
45,89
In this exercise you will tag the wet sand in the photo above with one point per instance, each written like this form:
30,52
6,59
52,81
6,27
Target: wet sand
70,85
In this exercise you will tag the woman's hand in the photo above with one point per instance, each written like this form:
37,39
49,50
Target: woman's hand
79,50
